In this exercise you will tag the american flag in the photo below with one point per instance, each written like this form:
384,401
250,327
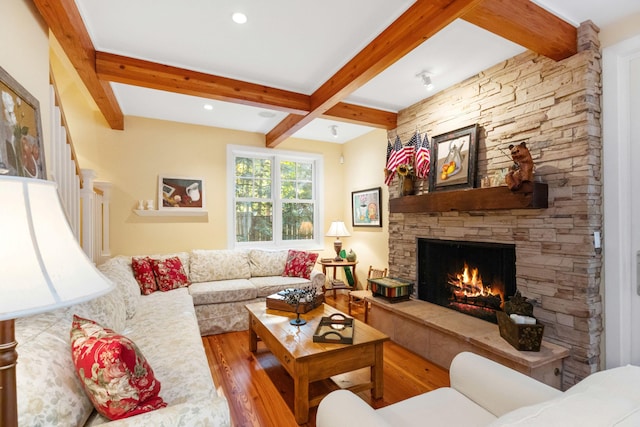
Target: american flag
395,159
410,148
423,158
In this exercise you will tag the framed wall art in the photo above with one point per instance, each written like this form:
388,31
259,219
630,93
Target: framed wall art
454,157
21,146
366,208
180,193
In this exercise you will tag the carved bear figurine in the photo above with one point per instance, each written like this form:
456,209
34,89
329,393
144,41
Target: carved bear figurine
522,170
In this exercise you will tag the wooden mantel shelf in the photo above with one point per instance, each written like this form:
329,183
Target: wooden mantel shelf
532,195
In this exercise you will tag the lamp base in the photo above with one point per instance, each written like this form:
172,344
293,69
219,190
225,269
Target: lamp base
8,359
337,246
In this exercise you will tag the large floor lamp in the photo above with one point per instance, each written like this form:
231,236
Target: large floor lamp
42,268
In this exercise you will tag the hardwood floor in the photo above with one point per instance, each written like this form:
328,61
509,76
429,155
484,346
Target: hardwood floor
260,392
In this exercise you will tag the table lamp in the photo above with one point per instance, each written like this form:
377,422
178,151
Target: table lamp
43,268
337,230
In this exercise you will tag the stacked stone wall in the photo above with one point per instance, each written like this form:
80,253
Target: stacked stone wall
555,108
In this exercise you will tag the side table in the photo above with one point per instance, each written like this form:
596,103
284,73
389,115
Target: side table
335,265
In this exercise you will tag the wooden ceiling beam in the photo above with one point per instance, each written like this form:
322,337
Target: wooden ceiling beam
360,115
527,24
418,23
65,22
152,75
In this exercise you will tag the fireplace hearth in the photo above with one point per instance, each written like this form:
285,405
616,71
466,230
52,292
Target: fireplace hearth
474,278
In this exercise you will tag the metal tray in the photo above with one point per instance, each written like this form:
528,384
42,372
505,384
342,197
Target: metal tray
336,328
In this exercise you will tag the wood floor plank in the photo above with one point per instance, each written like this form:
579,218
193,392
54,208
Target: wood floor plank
260,392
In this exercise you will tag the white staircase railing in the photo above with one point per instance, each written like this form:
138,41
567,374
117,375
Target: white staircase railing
85,201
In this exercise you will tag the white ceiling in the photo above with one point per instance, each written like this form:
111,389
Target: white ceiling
296,46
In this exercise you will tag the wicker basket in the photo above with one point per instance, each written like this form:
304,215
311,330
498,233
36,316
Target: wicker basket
522,337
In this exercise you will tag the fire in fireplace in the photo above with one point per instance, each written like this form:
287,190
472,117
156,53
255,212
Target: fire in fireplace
474,278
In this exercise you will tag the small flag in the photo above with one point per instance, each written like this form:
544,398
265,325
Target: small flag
423,158
410,148
396,154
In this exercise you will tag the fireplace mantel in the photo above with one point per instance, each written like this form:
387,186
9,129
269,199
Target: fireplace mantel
532,195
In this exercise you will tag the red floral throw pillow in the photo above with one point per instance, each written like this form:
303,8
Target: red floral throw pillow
143,272
299,264
169,273
113,372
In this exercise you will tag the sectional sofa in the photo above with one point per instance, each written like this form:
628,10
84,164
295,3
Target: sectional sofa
165,326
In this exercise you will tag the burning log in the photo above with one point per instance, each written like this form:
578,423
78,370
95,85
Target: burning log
489,301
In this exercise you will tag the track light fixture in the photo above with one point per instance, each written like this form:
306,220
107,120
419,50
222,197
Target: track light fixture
334,130
426,80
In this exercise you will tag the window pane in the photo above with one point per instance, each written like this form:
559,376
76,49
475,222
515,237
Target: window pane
305,171
288,190
262,189
244,166
297,221
296,180
287,170
305,191
243,187
254,221
262,168
253,178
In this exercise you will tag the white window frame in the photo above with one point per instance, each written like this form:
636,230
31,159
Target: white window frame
234,151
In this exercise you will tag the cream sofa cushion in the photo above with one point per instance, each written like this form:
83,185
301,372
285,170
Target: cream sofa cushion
445,407
118,270
49,393
270,285
218,264
222,291
107,310
267,263
606,398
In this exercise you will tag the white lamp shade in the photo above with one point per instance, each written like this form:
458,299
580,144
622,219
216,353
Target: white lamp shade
42,267
338,229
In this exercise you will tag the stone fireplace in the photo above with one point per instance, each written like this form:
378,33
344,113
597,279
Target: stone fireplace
474,278
555,108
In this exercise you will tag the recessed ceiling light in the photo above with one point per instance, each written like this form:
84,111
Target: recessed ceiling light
267,114
239,18
208,107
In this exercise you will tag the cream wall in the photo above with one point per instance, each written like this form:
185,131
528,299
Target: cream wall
24,48
364,162
623,29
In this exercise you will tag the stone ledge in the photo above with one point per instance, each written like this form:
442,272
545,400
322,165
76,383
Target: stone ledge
438,334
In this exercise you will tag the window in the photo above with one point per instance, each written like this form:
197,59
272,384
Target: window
275,197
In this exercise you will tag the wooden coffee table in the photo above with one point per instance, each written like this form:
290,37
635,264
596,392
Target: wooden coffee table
307,361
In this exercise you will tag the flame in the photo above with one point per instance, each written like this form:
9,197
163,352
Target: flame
468,283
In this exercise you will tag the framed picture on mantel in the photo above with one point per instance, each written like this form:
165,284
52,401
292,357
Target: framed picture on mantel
454,157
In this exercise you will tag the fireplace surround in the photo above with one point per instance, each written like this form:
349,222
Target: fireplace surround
474,278
556,107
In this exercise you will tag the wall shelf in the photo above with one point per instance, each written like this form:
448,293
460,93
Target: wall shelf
169,212
532,195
